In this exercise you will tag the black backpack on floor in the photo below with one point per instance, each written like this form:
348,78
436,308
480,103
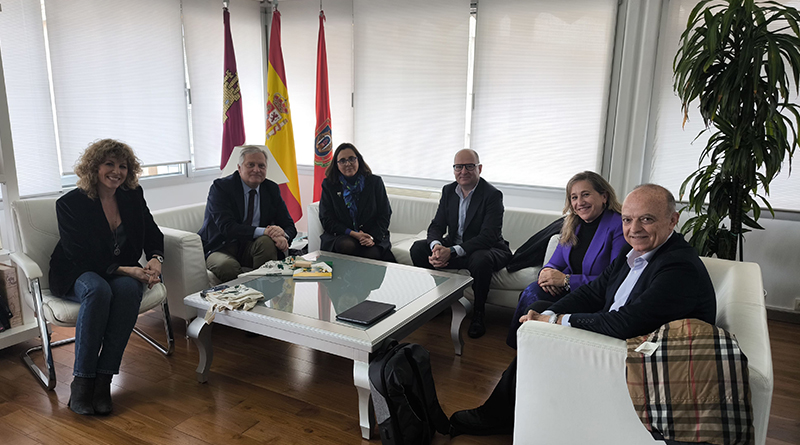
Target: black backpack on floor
403,393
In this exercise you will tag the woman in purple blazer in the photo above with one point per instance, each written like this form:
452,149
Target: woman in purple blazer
590,240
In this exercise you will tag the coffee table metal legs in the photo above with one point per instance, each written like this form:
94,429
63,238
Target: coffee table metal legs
459,308
361,379
200,332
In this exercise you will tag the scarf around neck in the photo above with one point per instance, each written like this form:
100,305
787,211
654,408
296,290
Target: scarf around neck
351,191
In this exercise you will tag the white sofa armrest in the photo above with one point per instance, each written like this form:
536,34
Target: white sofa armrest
184,269
314,226
551,247
28,266
571,388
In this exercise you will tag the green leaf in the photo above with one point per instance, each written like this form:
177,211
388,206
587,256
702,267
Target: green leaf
734,65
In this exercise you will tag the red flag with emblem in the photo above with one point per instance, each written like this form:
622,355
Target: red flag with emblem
323,153
232,117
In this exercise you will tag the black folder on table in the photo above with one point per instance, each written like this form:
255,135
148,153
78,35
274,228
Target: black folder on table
366,312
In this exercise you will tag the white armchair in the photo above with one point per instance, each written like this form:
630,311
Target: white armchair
577,391
184,261
37,227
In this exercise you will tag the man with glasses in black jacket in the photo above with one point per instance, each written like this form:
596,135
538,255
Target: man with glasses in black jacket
467,232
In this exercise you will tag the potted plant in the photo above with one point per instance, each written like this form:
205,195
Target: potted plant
736,59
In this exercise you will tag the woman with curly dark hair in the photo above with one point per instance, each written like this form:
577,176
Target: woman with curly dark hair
104,226
354,209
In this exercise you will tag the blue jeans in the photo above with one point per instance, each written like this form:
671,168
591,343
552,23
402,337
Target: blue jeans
109,309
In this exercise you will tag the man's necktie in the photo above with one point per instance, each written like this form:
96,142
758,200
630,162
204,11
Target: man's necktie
251,203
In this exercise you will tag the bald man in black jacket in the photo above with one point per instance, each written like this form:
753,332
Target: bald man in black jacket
658,280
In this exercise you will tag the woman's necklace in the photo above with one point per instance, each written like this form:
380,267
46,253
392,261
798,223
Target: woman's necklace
114,226
117,250
116,245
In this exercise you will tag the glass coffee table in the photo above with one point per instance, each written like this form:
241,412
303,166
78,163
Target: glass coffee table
304,312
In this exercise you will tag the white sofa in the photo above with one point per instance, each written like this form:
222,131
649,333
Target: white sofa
411,217
184,269
585,398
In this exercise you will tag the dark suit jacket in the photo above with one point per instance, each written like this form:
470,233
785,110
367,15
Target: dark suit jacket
224,219
606,245
531,254
483,227
86,243
674,285
373,215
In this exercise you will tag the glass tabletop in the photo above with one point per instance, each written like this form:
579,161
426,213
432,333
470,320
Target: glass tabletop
353,281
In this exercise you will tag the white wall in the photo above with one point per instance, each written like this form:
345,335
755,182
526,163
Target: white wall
777,250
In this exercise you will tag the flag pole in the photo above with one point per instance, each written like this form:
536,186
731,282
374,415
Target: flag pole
323,143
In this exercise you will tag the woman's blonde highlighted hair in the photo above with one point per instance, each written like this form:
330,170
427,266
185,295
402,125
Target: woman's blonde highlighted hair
95,154
601,186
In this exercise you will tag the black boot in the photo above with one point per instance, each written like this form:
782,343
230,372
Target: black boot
476,327
102,394
476,422
81,393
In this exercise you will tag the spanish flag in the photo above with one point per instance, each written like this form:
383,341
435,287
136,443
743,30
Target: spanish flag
280,137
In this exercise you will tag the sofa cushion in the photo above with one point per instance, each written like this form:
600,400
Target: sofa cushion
188,218
63,312
505,280
401,245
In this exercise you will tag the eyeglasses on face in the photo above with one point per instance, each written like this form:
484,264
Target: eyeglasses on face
350,160
469,167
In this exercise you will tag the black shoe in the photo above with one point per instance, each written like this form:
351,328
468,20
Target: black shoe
475,423
101,400
80,397
476,326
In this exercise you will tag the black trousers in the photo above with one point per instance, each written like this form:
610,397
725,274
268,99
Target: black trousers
503,398
481,264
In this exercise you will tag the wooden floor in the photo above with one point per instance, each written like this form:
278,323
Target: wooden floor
267,391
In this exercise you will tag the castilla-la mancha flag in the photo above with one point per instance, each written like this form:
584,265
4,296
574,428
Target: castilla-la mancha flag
323,153
232,118
280,137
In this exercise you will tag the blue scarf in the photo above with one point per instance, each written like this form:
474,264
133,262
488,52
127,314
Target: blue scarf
351,191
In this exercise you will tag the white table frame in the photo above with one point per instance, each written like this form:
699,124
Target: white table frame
346,341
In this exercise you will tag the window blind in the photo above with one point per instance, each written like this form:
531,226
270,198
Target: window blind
410,84
28,92
118,73
204,36
542,76
300,28
674,153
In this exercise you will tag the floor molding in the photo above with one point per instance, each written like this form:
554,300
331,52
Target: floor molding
783,315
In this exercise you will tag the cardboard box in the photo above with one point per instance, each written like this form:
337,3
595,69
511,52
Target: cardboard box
9,287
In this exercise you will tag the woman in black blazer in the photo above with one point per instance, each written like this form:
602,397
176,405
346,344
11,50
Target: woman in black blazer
104,226
354,209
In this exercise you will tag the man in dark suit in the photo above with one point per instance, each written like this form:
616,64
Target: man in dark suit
471,213
658,279
246,221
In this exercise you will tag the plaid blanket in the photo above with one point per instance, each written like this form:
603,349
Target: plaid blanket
694,385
